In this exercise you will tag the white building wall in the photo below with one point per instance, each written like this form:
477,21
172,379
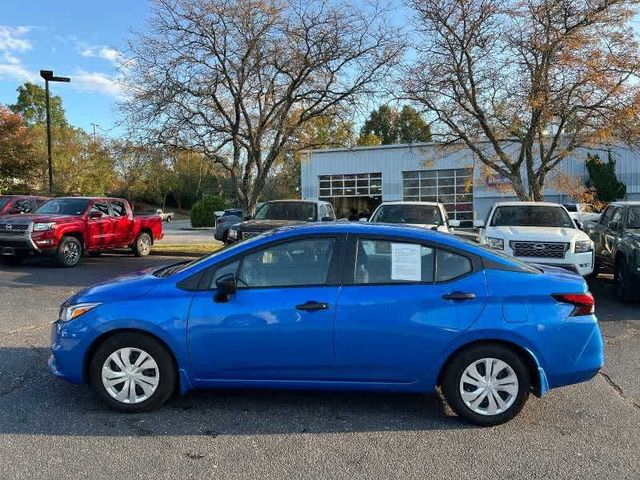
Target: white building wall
392,160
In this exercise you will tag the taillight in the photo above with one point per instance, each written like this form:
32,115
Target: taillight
583,302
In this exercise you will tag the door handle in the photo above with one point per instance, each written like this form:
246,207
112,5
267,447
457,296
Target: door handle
459,296
312,306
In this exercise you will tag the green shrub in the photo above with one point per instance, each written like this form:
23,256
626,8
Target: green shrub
202,212
602,177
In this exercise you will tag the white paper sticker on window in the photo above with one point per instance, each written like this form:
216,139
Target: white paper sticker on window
406,262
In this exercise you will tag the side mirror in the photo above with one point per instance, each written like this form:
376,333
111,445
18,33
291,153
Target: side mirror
327,219
226,286
613,226
94,215
363,219
454,223
478,223
578,224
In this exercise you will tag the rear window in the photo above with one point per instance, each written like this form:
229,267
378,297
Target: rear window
416,214
300,211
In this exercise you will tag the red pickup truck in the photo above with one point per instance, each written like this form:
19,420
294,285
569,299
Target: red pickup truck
68,227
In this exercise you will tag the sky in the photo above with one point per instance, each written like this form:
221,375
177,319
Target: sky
75,38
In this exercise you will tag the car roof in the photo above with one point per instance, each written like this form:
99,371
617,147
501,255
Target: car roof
519,204
297,200
87,198
626,203
402,202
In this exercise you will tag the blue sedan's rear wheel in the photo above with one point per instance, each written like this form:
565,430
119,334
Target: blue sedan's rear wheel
486,384
132,372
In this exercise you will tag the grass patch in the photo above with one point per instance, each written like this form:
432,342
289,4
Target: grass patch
184,250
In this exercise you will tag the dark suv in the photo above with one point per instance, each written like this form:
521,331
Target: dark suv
16,204
616,238
280,213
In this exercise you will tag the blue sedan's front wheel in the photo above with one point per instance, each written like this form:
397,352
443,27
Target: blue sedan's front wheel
486,384
132,372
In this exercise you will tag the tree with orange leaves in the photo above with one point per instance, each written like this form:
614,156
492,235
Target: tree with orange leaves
524,83
17,155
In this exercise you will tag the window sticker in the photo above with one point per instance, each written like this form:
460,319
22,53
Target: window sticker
406,262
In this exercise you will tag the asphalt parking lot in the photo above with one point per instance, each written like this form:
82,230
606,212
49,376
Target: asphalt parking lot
50,429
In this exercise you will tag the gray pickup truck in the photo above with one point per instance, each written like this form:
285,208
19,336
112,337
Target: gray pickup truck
616,238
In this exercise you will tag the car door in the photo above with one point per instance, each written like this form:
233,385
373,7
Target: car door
610,234
121,223
401,307
279,323
99,226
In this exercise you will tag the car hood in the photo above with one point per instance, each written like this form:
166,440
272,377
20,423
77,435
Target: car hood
40,218
264,225
542,234
125,287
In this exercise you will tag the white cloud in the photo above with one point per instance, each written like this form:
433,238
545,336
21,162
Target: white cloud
96,82
12,38
7,57
17,72
112,55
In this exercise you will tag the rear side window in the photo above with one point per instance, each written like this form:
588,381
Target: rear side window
101,207
451,265
388,262
118,209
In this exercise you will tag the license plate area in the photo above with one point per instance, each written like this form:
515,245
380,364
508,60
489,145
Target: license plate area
7,251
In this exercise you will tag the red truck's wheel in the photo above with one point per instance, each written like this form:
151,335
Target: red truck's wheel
69,252
142,247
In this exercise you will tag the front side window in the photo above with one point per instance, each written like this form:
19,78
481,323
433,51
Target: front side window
617,216
300,211
297,263
531,216
412,214
606,216
64,206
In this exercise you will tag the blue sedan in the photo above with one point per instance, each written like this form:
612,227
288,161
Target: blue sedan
335,306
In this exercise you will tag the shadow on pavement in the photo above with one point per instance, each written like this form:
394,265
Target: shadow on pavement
37,403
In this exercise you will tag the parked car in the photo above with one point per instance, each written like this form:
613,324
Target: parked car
617,246
424,214
335,305
166,216
580,213
68,227
279,213
18,204
228,217
537,232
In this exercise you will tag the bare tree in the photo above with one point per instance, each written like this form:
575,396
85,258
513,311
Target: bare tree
523,84
235,79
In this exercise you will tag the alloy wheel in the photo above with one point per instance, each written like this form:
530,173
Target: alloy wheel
144,245
489,386
130,375
71,253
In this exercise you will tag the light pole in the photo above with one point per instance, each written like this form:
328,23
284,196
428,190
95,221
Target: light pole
48,77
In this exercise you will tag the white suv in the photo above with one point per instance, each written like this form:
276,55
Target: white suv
423,214
538,232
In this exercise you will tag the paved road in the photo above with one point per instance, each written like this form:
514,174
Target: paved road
180,232
50,429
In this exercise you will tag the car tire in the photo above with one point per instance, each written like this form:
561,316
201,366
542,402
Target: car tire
467,372
140,390
69,252
169,219
142,245
623,289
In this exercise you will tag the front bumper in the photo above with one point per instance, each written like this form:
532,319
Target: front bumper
67,354
580,263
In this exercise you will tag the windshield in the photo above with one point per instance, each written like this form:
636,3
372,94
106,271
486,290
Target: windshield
175,268
301,211
416,214
64,206
572,207
634,218
531,216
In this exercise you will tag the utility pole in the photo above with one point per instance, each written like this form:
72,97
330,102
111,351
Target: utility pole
48,77
94,125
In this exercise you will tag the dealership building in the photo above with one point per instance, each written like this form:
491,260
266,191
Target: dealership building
363,177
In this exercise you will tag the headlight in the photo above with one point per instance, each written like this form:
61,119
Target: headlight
41,227
74,311
233,233
583,246
497,243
